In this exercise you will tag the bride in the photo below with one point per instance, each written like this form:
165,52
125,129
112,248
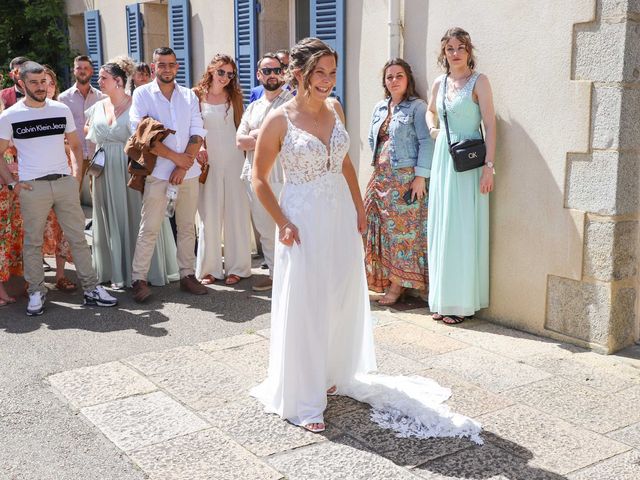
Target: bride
321,330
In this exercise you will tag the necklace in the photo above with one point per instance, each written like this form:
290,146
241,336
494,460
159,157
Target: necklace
116,108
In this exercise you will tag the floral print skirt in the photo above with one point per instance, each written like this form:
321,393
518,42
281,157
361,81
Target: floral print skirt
10,234
396,237
54,243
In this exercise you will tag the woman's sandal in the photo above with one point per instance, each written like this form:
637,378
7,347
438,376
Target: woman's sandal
453,319
332,391
314,427
65,285
437,317
391,298
232,279
208,279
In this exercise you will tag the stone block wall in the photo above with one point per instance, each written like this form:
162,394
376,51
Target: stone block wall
600,309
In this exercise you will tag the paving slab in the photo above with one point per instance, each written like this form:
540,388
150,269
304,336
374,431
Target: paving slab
154,363
549,442
340,459
384,317
486,369
205,455
606,376
580,405
413,341
251,360
340,405
508,342
621,467
246,422
629,435
401,451
486,462
100,383
143,420
230,342
212,383
391,363
466,398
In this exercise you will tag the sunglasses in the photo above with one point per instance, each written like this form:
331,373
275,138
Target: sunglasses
222,73
267,71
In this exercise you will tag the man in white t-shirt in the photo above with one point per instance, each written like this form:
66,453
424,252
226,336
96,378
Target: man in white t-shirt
177,108
270,75
38,127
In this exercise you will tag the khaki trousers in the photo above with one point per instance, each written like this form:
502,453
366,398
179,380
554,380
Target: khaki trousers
264,223
154,206
62,196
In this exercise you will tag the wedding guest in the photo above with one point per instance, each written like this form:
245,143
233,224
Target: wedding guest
54,243
395,199
223,204
38,127
271,77
141,76
458,225
116,208
176,108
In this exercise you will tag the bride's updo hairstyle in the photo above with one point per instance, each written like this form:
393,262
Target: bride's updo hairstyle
117,72
304,58
464,38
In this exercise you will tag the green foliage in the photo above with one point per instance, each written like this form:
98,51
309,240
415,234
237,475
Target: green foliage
36,29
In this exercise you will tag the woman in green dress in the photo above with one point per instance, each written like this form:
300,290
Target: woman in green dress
116,208
458,222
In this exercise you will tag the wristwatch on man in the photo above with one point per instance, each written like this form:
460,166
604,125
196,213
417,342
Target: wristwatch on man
11,185
488,164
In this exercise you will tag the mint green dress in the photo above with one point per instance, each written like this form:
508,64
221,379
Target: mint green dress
116,210
458,223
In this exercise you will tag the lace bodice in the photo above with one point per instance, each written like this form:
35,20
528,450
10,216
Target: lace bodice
305,158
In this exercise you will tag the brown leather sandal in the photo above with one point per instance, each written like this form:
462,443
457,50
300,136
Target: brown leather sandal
208,279
65,285
232,279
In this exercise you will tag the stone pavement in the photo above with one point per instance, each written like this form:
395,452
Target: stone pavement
548,410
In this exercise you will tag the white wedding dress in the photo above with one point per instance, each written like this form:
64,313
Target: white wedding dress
321,327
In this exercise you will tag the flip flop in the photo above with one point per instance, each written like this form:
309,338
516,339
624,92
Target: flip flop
65,285
437,317
3,303
453,319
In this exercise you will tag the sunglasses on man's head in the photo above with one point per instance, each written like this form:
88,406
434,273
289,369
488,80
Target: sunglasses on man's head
267,70
222,73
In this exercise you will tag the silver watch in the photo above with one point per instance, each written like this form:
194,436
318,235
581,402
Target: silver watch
489,164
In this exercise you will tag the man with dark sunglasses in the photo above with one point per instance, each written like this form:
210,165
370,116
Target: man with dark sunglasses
270,75
283,58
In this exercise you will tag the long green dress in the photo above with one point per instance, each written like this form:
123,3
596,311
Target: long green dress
458,223
116,210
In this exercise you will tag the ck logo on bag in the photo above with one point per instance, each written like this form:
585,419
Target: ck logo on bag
473,155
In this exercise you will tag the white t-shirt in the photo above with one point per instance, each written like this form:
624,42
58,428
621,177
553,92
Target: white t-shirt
38,134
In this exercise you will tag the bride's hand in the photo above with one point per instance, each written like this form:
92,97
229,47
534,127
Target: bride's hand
289,234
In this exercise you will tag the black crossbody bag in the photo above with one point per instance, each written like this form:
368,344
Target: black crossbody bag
466,154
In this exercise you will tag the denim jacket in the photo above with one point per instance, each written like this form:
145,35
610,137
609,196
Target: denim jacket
411,144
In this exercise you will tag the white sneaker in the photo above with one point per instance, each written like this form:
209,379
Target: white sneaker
100,297
36,304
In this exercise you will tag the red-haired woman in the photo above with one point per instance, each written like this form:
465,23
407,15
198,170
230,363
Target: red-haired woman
223,204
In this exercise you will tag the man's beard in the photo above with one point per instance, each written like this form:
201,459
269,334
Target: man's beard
272,87
165,80
83,81
34,95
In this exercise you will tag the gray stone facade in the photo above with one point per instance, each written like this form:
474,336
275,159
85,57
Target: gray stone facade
600,308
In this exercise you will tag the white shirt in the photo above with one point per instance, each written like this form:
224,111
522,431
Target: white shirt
181,114
38,134
78,103
252,119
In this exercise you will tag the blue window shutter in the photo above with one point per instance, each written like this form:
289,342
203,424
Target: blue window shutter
134,31
327,24
180,38
93,36
246,15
